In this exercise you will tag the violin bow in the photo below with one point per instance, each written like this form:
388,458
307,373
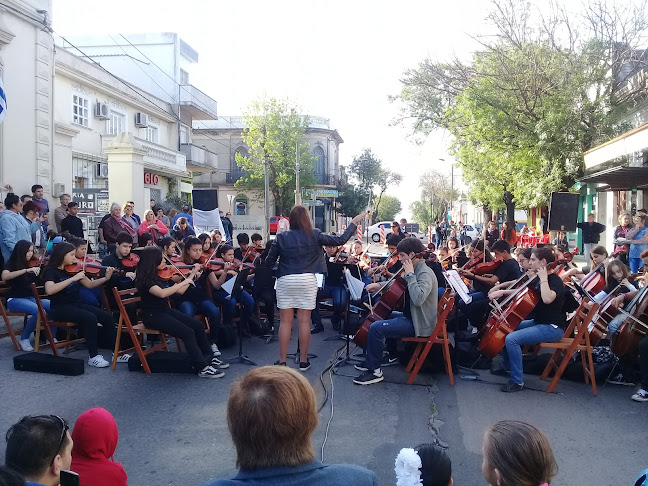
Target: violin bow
42,257
178,270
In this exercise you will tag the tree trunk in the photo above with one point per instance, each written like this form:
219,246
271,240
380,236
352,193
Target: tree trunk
510,207
487,214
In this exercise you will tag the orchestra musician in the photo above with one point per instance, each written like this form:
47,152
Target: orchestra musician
244,245
157,314
597,255
418,316
168,247
391,266
88,296
548,321
334,289
480,286
257,242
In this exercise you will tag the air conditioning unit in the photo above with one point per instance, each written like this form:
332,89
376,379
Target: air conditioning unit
102,170
102,110
141,120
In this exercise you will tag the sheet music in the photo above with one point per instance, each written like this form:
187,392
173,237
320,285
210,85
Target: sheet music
458,285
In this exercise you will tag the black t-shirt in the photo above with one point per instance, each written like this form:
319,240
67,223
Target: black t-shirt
69,295
551,313
20,287
199,292
73,224
103,220
238,254
508,271
152,303
118,279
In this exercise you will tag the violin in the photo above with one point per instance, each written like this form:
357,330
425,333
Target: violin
486,267
130,261
238,264
90,267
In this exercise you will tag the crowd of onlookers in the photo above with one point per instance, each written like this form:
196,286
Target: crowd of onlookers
271,415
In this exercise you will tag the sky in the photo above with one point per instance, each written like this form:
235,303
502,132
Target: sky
334,59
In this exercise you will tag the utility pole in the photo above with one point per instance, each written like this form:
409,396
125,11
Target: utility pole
267,196
298,199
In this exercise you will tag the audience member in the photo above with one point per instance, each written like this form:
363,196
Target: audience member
95,437
61,212
39,447
271,415
72,223
426,465
517,454
14,227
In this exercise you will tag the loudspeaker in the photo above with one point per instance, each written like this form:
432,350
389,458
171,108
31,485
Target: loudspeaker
163,362
205,199
48,363
563,211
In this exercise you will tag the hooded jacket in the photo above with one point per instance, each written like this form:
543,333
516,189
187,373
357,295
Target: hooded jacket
95,437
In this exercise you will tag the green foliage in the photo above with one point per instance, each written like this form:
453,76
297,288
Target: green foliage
436,196
352,200
389,207
274,127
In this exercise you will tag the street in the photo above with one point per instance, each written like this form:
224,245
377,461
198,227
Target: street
173,429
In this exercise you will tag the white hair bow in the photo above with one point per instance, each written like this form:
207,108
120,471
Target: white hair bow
408,468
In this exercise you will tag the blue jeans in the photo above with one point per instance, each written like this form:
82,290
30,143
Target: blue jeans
208,309
527,333
228,303
396,326
90,296
635,264
615,324
340,298
29,307
465,308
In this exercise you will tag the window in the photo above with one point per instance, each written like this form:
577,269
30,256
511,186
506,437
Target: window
80,110
184,134
320,165
241,205
89,171
116,123
151,134
184,77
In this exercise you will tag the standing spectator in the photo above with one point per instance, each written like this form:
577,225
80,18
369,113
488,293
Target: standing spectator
72,223
403,222
426,465
39,447
517,454
508,233
95,437
639,242
396,230
438,234
131,219
625,225
161,217
461,233
271,415
492,234
61,212
43,205
591,233
228,227
283,224
154,226
186,213
172,214
14,227
153,204
561,239
111,226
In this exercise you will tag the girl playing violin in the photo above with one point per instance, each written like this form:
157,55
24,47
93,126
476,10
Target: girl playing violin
66,305
597,256
157,314
19,276
88,296
168,247
257,242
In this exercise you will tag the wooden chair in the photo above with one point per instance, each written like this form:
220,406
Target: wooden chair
575,340
11,332
46,324
439,335
136,331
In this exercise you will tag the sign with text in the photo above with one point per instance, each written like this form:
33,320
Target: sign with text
86,199
322,193
150,178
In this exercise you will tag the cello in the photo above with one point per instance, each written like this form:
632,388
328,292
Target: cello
625,341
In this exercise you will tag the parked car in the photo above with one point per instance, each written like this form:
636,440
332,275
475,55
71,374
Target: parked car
471,233
374,231
274,221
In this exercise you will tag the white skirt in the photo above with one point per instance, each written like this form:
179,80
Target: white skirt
297,291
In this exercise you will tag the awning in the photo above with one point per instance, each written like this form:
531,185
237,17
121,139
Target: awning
618,178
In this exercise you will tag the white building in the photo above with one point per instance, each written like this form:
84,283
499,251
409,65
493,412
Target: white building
223,137
27,70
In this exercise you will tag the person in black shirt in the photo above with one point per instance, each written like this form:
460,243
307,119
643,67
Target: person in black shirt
66,305
88,296
72,223
334,289
548,321
19,276
244,244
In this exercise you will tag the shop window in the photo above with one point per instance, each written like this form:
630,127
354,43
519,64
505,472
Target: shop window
116,123
80,110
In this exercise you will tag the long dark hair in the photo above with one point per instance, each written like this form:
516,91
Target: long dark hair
436,468
300,220
508,231
191,241
18,258
147,274
58,254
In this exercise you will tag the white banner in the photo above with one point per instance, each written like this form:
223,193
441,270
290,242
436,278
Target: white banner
206,221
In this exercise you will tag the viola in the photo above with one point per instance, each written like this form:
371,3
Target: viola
130,261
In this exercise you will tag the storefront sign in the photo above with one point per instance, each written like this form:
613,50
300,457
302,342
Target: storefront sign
86,199
152,179
325,193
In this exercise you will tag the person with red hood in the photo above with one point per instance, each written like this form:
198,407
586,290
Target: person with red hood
95,437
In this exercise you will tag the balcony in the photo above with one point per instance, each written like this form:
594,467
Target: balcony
157,157
198,104
232,177
324,180
199,159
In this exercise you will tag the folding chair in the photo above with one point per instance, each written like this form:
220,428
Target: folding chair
439,335
46,324
575,340
11,332
136,331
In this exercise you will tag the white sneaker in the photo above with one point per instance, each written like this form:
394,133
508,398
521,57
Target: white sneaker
25,345
215,350
123,358
98,362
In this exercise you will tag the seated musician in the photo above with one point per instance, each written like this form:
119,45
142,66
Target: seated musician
391,266
621,301
216,238
179,238
548,321
507,271
195,300
223,298
359,257
88,296
121,280
244,245
333,289
206,243
598,255
257,242
419,311
523,257
168,247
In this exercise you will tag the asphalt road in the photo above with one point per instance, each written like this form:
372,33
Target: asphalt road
173,429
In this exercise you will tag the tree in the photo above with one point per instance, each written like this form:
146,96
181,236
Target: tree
274,128
386,179
388,207
534,97
352,200
436,197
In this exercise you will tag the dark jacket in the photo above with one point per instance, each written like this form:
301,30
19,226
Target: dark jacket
299,253
591,232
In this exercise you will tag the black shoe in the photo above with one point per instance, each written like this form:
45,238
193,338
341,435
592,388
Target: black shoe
500,372
361,366
369,377
280,363
512,387
304,366
317,328
336,324
620,380
389,360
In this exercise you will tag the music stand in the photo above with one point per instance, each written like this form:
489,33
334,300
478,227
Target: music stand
264,281
237,292
336,274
